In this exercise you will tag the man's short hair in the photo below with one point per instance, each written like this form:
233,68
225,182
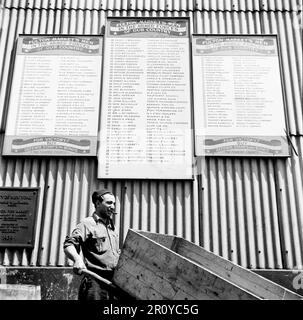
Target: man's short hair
98,195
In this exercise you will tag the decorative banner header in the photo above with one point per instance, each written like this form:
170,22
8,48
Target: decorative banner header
245,145
38,44
172,28
72,145
244,45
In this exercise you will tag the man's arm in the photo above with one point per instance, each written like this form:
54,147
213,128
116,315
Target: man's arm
72,254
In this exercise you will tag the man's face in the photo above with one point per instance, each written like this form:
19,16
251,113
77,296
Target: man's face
106,208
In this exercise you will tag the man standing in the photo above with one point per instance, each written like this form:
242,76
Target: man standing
98,240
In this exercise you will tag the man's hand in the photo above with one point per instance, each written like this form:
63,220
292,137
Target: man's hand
79,266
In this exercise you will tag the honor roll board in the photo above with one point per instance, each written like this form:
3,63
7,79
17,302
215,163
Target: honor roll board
146,102
238,96
55,96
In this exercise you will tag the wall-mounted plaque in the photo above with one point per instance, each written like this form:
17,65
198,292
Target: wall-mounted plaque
18,210
238,97
55,96
146,100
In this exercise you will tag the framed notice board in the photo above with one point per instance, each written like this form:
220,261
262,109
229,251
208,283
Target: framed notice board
18,212
238,96
54,99
146,129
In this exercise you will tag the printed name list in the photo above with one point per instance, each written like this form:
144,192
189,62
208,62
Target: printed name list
146,119
238,96
55,103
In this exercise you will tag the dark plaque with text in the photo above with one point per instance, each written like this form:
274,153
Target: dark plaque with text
18,210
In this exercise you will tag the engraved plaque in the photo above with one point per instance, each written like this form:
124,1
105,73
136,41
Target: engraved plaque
18,210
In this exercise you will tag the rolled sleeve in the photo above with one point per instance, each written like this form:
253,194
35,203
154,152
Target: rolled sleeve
75,239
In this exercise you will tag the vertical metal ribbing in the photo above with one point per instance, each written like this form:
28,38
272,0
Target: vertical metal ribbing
170,198
135,206
143,206
7,41
213,213
179,213
232,253
258,214
188,213
294,192
228,23
64,26
241,224
248,214
266,228
297,25
75,187
162,208
295,80
75,22
153,223
64,211
291,211
274,217
278,25
223,192
55,214
287,253
236,29
203,188
126,214
87,22
96,29
38,180
47,213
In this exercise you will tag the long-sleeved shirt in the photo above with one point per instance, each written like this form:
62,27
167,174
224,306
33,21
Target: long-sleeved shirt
98,241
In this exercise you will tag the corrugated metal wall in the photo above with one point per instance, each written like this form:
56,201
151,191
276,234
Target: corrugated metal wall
247,210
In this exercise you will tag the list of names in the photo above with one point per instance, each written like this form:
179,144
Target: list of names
56,106
146,118
238,96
